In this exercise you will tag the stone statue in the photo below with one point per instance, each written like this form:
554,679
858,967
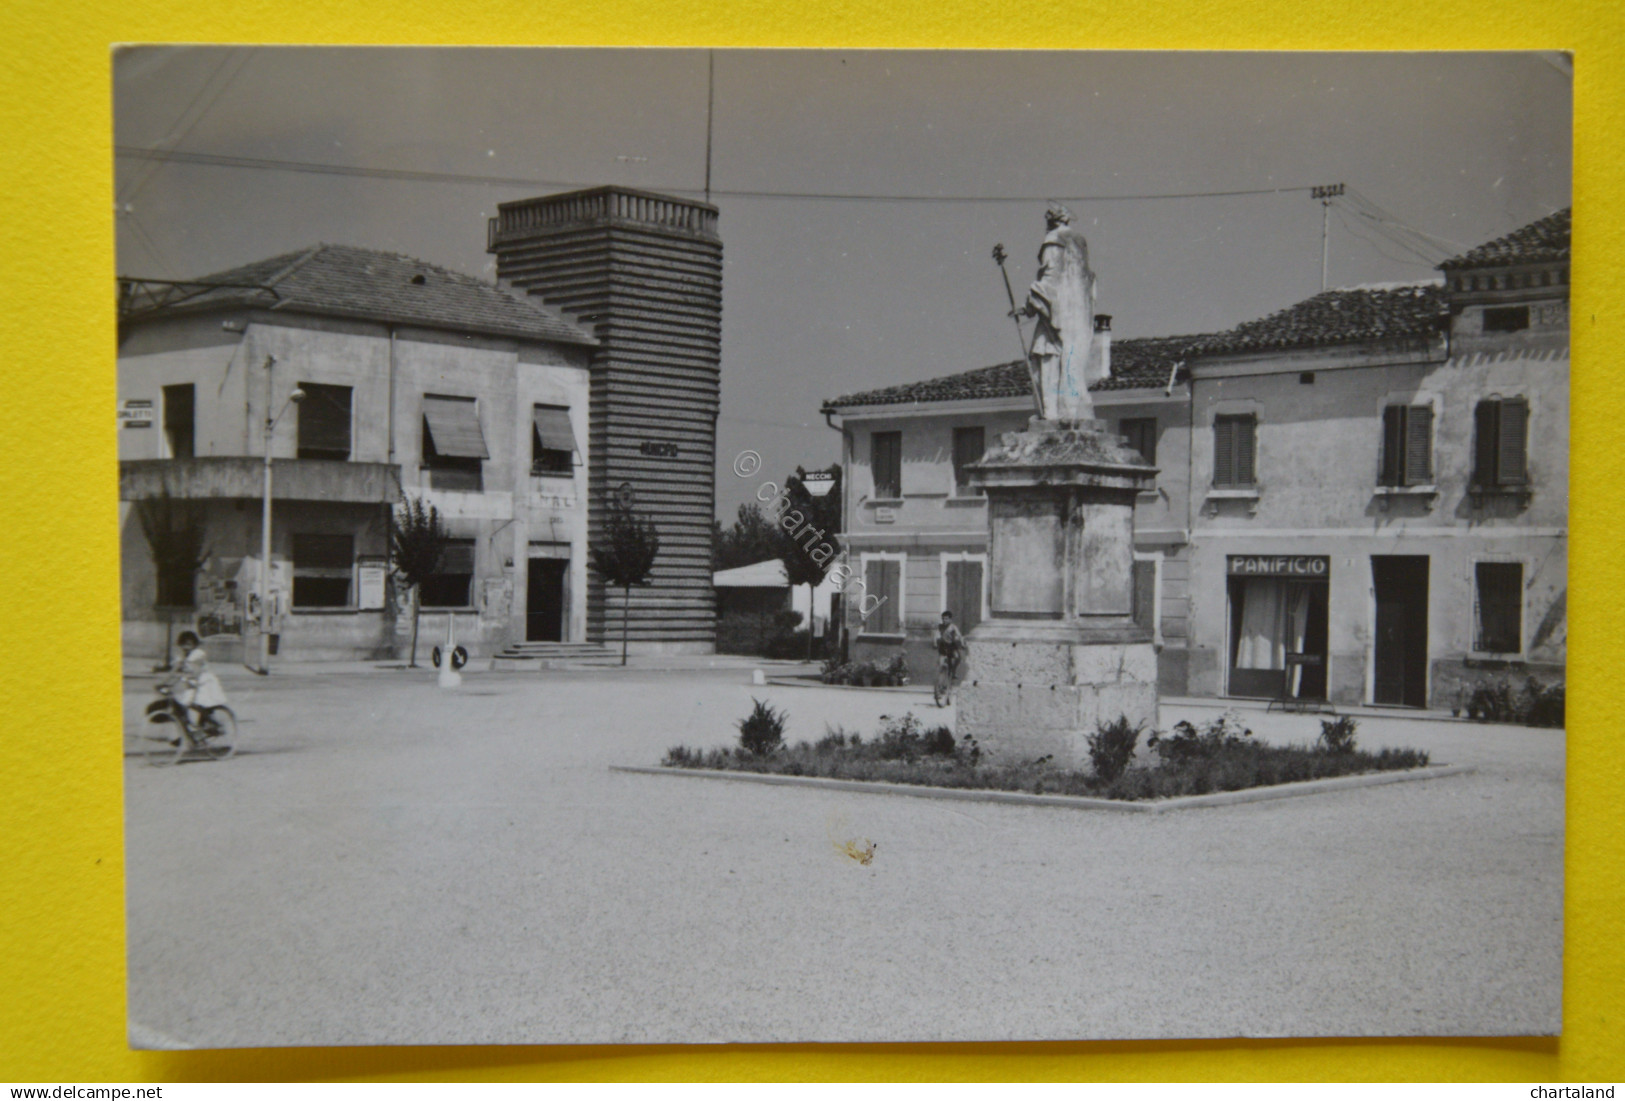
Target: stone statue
1063,300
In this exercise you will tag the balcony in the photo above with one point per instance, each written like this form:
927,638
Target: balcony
231,477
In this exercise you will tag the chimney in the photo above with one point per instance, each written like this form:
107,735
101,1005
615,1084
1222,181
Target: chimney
1102,351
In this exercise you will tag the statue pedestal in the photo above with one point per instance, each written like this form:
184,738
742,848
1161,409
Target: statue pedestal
1061,651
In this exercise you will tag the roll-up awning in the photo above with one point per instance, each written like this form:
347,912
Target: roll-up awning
553,427
453,425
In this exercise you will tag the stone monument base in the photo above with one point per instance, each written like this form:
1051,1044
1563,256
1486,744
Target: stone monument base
1040,689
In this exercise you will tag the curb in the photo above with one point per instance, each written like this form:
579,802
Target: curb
1076,802
814,682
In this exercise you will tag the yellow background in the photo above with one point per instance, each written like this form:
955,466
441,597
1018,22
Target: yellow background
61,927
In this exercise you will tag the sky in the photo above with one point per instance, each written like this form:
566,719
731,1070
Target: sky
929,158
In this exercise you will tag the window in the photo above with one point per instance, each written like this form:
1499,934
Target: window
180,420
1407,445
1501,430
324,422
883,581
453,586
886,461
969,446
1141,434
1233,450
323,566
1499,619
453,444
1505,319
1144,593
552,440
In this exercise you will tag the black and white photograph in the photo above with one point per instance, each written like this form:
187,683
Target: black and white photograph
775,546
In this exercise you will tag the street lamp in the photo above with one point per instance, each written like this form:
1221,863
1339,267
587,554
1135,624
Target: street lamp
294,398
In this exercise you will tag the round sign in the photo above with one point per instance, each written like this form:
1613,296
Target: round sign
624,495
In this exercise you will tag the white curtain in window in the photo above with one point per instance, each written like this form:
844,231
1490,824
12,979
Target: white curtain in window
1263,612
1297,623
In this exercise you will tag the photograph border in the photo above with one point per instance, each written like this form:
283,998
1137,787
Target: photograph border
63,942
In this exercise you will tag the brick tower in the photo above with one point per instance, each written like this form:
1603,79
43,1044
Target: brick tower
642,272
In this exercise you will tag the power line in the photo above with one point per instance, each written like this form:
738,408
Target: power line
265,164
175,139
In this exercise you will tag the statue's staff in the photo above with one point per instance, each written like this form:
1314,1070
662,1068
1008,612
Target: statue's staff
999,256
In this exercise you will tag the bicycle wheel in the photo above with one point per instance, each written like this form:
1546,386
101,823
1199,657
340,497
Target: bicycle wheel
217,733
942,687
161,742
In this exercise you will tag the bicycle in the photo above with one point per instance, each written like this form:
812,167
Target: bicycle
942,689
211,738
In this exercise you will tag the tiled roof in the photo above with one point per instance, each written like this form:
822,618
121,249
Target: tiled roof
1536,243
345,281
1143,362
1338,317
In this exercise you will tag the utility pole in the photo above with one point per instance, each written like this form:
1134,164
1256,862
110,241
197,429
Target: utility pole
1325,193
271,418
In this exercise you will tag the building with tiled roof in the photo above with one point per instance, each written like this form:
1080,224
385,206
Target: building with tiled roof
385,378
344,281
1539,242
1361,497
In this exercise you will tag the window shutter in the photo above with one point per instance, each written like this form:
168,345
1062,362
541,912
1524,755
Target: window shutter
1393,433
1513,460
1246,429
1485,417
1224,450
1418,445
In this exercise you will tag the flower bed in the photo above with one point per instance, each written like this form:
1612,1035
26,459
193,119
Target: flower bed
1219,756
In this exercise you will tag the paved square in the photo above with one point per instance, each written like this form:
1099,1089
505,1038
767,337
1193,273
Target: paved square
388,862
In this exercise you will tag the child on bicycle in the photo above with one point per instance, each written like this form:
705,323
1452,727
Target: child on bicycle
202,688
951,644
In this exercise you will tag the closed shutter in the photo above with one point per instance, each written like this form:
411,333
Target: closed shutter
1512,458
1224,451
324,422
1393,445
1485,417
1145,592
885,459
963,582
881,580
969,446
1418,445
1246,431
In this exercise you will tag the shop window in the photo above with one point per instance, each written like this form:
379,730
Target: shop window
1501,439
1278,626
177,587
180,422
970,444
1498,594
1506,319
883,581
453,443
552,440
886,461
1141,434
324,422
1407,445
323,568
452,586
1233,451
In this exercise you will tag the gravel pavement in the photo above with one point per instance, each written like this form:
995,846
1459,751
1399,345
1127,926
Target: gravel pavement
388,862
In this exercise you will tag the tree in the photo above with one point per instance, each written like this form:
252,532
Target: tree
753,538
806,536
624,556
417,545
174,532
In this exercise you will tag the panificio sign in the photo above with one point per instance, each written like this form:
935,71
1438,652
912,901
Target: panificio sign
1280,565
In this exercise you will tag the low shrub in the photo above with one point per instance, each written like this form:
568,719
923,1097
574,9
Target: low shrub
866,674
1497,701
1188,742
762,731
1337,735
1111,747
907,739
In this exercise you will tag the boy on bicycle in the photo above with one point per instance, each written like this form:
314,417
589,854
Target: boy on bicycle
951,646
202,689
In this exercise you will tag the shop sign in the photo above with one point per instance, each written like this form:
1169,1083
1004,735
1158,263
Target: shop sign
136,414
369,584
657,450
1280,565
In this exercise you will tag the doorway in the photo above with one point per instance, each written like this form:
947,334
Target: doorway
544,599
1401,659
